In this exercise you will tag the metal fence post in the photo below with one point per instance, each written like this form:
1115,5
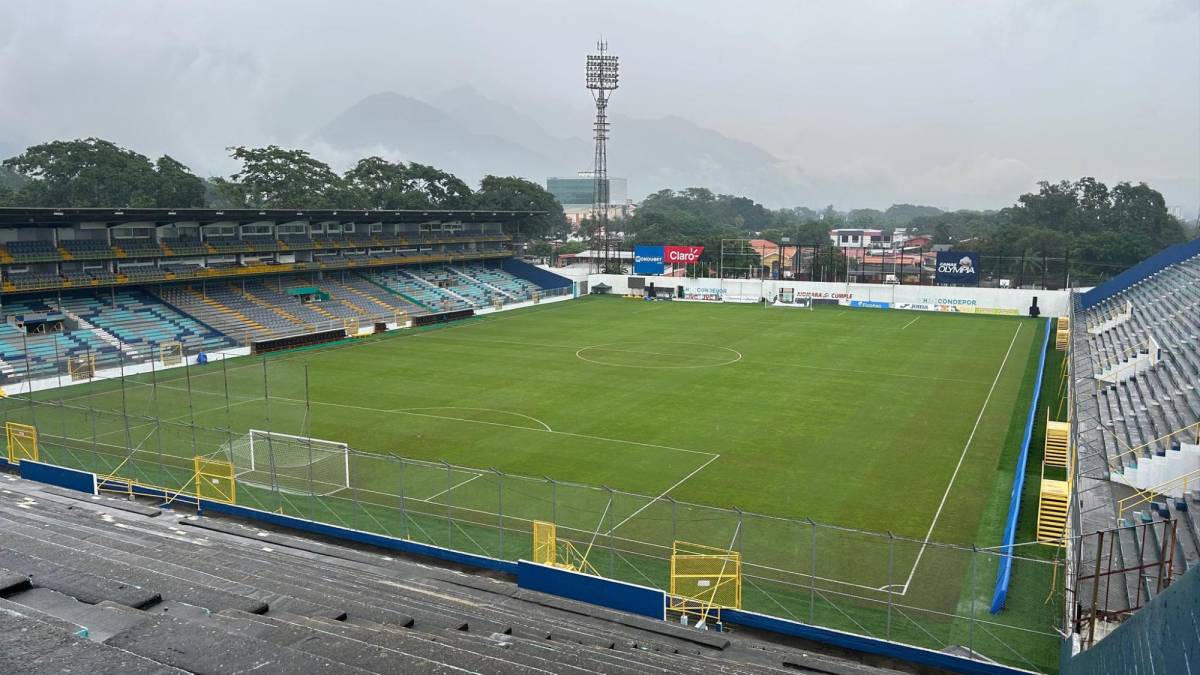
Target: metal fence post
891,560
812,572
612,560
674,522
403,515
449,516
971,627
500,507
738,534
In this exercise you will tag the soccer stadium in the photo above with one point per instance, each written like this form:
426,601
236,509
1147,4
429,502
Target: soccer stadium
434,442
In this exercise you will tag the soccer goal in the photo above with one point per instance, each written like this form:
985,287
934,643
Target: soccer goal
788,297
82,367
294,464
170,353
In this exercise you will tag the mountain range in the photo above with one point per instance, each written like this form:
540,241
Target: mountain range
470,135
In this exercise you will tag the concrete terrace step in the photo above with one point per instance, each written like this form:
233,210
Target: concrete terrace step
317,639
100,625
28,645
203,649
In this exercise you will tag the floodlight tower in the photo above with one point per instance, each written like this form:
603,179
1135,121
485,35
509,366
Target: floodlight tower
601,81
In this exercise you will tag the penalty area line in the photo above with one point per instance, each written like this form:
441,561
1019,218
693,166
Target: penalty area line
449,489
664,494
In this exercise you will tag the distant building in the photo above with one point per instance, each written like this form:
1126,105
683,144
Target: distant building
576,197
854,237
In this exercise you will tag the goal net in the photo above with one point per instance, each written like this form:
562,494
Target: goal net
294,464
788,297
170,353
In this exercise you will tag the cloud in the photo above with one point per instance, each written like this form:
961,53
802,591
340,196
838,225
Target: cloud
870,101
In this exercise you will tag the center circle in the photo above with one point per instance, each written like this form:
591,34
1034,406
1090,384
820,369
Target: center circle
660,354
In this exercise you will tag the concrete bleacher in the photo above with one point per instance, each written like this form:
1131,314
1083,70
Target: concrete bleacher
263,309
39,355
428,294
515,287
99,585
227,309
368,298
143,323
127,326
1145,436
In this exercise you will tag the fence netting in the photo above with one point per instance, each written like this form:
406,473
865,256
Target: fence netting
149,428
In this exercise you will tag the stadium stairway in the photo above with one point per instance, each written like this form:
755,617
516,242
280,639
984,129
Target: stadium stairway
439,279
84,581
429,295
476,281
1138,431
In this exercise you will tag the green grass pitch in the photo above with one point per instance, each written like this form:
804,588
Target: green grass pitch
884,421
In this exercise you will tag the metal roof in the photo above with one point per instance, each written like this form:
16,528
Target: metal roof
65,217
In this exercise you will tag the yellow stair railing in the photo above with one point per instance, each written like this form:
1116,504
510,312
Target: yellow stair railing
1187,481
1190,432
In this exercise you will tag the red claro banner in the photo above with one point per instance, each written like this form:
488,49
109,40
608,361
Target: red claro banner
682,255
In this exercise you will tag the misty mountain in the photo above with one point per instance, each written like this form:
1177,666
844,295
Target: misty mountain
400,127
470,135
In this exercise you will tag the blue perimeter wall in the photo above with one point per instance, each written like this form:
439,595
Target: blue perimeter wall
72,479
537,275
616,595
1004,571
619,595
1168,256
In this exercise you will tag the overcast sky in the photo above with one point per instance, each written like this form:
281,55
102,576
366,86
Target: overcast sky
956,104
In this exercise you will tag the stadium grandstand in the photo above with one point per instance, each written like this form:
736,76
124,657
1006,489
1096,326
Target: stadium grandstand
377,441
89,285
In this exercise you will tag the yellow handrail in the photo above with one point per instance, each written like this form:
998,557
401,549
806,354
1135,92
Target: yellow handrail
1193,425
1140,497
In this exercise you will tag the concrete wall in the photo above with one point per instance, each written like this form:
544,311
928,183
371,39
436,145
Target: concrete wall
928,298
1163,637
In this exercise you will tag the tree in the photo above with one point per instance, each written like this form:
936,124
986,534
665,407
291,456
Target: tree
274,177
510,193
865,218
89,172
177,185
900,215
441,189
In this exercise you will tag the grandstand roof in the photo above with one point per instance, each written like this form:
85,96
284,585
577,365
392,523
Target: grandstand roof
61,217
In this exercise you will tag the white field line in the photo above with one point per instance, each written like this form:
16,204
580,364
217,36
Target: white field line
168,419
498,424
873,373
495,410
664,494
603,348
430,498
910,323
961,457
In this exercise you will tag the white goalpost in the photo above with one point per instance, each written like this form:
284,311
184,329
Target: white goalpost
788,297
293,464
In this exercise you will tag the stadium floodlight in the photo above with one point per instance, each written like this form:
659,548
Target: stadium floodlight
601,78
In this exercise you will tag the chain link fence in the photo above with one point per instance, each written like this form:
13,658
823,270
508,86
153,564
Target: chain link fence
148,428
